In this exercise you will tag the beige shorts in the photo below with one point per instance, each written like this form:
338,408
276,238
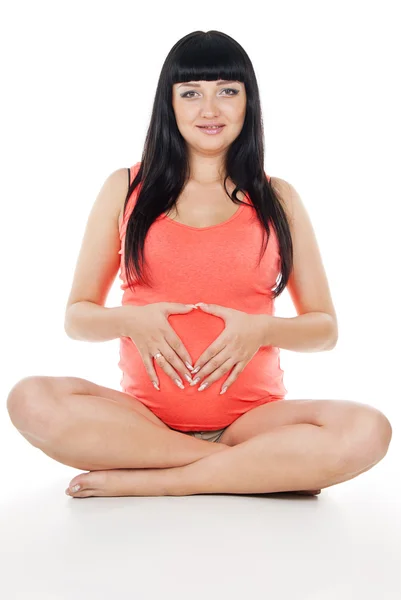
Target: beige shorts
209,436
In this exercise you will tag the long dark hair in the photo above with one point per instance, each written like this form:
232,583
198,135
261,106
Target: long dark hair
164,169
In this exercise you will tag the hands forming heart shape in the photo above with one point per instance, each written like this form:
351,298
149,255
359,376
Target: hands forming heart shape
237,344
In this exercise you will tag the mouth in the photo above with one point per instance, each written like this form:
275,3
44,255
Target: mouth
211,130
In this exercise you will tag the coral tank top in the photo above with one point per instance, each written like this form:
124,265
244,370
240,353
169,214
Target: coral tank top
216,265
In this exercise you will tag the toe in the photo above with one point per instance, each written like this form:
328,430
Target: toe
79,483
86,481
76,486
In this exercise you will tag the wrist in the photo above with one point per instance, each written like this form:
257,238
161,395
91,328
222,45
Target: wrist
264,322
123,319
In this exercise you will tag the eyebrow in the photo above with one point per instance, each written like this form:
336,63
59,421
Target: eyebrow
220,82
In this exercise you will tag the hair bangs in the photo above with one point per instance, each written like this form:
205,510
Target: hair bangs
208,58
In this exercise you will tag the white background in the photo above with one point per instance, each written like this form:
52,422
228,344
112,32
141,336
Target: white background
78,82
80,79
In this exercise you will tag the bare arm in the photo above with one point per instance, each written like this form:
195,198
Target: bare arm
310,332
88,321
315,328
86,317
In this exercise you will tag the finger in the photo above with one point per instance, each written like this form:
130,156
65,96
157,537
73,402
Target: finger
175,361
221,370
211,366
177,308
217,346
166,362
150,369
239,367
176,344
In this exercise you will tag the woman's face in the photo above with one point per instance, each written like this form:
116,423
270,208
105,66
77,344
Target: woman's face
204,102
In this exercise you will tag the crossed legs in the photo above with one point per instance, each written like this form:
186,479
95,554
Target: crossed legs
131,454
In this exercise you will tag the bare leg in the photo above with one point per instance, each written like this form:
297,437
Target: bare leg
97,433
291,457
93,433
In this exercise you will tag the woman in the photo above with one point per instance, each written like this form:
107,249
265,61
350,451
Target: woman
200,222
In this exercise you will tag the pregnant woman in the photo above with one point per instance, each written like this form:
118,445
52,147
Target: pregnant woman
199,235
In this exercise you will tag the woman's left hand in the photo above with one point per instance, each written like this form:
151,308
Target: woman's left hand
235,347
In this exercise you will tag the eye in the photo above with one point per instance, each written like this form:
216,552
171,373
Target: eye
231,90
185,95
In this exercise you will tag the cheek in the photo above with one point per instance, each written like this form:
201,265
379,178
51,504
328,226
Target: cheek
186,117
236,114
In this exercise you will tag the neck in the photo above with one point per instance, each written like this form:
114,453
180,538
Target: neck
207,171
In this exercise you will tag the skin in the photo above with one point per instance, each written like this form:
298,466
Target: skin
193,104
263,445
202,102
196,103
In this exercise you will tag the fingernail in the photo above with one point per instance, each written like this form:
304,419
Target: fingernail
155,385
195,381
189,366
188,377
193,371
223,390
179,383
75,488
202,387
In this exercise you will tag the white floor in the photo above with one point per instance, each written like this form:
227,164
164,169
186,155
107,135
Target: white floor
342,545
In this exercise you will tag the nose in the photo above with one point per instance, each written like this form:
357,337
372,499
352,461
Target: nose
209,106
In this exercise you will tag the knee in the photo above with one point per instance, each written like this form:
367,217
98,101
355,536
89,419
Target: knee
26,402
369,439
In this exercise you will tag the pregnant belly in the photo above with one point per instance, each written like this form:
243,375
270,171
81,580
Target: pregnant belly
261,379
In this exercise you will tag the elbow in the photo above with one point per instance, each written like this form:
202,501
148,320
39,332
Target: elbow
68,330
66,326
68,322
332,344
333,338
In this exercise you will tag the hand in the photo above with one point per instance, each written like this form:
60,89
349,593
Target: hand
235,346
149,329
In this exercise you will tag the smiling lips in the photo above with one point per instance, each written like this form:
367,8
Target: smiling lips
211,130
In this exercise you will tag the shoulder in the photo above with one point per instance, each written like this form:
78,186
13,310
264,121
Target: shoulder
119,179
287,194
114,190
298,216
118,183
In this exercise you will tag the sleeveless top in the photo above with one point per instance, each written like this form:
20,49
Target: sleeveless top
215,265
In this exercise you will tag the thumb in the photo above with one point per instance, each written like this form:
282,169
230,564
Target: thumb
214,309
176,307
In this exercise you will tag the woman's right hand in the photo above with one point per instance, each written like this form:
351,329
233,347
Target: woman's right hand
149,329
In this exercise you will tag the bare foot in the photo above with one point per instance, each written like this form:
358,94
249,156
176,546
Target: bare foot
133,482
121,482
